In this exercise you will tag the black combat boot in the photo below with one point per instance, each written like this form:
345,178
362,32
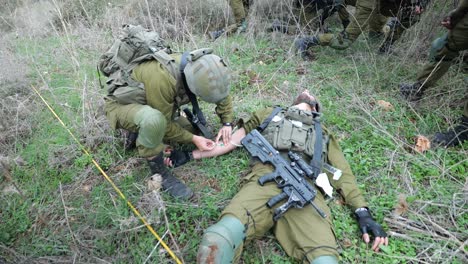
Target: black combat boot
453,137
278,26
303,44
130,141
411,92
169,183
386,47
216,34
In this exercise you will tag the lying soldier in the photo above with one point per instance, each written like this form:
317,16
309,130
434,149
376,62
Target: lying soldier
303,227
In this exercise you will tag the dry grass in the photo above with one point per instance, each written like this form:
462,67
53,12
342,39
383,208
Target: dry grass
83,32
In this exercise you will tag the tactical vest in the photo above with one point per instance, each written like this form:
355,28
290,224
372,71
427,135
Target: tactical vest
293,129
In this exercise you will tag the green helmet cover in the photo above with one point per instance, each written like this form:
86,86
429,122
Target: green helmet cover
208,78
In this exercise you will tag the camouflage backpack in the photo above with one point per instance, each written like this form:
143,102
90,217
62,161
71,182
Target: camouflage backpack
134,46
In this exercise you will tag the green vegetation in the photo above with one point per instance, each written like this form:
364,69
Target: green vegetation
64,210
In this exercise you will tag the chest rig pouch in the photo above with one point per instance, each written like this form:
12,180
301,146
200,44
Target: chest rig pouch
293,129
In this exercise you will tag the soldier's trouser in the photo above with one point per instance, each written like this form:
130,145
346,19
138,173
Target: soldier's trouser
149,123
302,233
365,9
444,52
240,9
369,13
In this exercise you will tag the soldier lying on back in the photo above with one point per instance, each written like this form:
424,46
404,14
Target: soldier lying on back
304,232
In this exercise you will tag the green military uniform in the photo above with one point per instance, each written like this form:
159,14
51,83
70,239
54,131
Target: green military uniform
446,49
303,233
369,12
158,121
240,8
309,18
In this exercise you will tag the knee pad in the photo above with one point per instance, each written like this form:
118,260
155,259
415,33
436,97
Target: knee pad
220,241
152,127
437,47
325,260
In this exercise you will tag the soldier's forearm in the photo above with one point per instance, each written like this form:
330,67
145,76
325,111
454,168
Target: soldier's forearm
222,149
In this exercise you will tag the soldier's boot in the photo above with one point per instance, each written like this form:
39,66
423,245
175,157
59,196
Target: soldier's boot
411,92
242,28
130,141
386,47
453,137
216,34
169,183
304,43
279,26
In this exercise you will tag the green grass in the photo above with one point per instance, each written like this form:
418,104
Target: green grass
58,178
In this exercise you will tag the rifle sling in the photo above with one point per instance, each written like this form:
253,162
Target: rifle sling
267,121
316,161
193,99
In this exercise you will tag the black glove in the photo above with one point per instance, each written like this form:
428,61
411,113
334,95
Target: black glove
366,223
180,157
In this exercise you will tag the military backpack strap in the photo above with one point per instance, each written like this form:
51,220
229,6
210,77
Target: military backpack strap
316,162
267,121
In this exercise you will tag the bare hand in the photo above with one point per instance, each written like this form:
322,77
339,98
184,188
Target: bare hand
202,143
168,162
225,132
418,10
377,241
447,22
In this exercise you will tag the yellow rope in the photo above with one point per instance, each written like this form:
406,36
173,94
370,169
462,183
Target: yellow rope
135,211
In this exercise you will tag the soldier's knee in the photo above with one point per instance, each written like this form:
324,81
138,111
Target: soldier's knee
220,241
325,260
439,50
150,118
152,126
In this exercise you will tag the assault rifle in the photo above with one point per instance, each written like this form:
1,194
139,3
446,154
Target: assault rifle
198,124
287,175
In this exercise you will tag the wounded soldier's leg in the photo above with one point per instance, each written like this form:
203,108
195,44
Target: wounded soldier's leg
325,260
297,238
221,241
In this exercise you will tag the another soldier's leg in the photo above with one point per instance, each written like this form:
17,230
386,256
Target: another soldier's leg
150,124
246,217
304,234
359,22
376,26
237,7
395,27
240,13
343,13
443,51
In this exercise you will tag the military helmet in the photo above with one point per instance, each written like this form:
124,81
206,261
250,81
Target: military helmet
207,76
